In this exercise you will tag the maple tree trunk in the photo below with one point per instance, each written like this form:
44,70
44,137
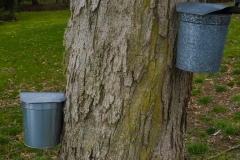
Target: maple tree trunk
125,98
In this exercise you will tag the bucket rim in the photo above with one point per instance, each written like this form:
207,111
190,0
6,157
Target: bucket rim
42,97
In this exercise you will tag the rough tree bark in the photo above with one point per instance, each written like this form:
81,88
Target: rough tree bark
125,98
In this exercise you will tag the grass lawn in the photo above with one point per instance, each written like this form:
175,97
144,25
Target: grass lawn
31,52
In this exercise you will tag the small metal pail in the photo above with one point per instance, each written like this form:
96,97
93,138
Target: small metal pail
42,118
202,32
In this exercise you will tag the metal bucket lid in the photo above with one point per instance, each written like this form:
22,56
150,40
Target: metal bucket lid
42,97
205,8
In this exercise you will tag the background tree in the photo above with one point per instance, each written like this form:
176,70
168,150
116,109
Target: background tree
7,10
125,98
66,1
7,4
35,2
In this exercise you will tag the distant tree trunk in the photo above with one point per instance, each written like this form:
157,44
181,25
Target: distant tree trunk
35,2
66,2
125,98
19,2
7,5
7,9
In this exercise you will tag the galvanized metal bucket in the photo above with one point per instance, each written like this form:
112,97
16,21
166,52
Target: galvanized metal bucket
42,118
201,35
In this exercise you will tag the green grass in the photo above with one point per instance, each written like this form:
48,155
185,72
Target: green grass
227,128
30,60
31,51
223,68
210,130
204,100
214,75
221,124
231,130
237,80
236,98
196,148
205,119
231,49
37,40
195,92
236,72
202,134
220,88
198,80
230,84
236,116
219,109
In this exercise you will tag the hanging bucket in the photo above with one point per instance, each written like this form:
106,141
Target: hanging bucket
42,118
202,32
